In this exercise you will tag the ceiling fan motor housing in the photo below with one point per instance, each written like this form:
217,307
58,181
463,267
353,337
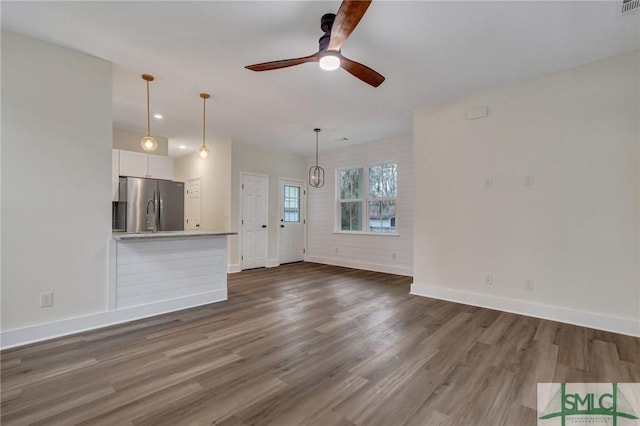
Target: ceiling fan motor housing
326,23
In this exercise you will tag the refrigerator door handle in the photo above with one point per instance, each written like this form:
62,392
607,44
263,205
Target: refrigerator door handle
158,205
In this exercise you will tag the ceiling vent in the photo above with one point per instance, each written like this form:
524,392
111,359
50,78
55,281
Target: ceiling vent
630,6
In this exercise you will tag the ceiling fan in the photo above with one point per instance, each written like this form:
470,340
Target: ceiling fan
337,28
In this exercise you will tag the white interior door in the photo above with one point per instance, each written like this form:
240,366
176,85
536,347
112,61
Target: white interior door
253,220
292,220
194,203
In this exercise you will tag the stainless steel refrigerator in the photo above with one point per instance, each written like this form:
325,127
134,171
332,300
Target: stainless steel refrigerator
151,205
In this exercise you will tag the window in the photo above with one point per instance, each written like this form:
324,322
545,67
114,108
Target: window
291,203
380,183
382,197
351,197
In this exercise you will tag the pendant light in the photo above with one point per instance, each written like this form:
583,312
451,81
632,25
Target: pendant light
148,143
316,173
203,151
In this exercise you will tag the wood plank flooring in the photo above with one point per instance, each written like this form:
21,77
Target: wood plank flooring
310,344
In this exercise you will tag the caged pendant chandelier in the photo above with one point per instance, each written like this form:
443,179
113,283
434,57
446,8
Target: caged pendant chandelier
316,173
203,151
148,143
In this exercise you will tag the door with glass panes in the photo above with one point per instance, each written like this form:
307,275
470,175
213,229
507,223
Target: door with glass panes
292,220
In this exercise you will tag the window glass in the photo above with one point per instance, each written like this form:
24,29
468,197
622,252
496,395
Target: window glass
351,216
351,184
382,216
291,204
367,201
383,181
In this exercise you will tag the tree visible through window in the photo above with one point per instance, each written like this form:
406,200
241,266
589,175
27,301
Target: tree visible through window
383,190
380,185
351,197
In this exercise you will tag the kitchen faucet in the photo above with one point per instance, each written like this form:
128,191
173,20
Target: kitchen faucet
151,217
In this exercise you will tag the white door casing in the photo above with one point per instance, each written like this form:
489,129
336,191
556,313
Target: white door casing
194,203
253,220
292,220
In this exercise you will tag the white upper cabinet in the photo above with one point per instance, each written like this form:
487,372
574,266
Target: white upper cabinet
133,164
137,164
160,167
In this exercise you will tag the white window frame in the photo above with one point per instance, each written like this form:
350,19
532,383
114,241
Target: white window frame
364,201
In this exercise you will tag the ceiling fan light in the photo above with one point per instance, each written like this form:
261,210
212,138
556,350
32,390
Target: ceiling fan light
329,62
204,152
148,143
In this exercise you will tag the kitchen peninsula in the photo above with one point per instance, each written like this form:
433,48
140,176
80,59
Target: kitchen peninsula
165,271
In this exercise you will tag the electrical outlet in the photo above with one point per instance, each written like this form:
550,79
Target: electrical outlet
46,299
393,256
528,285
488,182
336,250
488,280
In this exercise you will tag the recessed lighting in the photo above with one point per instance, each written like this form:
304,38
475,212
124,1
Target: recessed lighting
182,146
158,116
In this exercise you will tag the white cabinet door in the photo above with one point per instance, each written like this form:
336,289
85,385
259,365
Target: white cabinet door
160,167
138,164
133,164
115,173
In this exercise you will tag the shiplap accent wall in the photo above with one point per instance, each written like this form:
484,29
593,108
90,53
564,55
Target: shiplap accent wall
153,271
371,252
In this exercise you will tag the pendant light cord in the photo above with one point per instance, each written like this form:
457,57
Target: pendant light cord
316,149
204,116
148,112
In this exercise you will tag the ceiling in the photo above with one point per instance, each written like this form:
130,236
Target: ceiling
430,53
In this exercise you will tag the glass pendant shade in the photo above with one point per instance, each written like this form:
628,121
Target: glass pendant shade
316,173
203,152
148,143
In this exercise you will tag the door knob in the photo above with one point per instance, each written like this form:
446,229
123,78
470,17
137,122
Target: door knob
281,226
264,226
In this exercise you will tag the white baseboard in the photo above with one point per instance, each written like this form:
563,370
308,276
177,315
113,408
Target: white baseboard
272,263
389,269
628,326
36,333
232,269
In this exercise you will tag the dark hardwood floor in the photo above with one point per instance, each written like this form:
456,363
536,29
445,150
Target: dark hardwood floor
309,344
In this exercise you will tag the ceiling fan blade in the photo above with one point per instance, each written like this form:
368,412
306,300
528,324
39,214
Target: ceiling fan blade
274,65
348,16
362,72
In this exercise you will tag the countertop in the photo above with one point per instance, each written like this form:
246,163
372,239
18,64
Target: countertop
122,236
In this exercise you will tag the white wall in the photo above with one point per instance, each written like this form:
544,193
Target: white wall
130,141
215,174
574,232
274,164
56,174
372,252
